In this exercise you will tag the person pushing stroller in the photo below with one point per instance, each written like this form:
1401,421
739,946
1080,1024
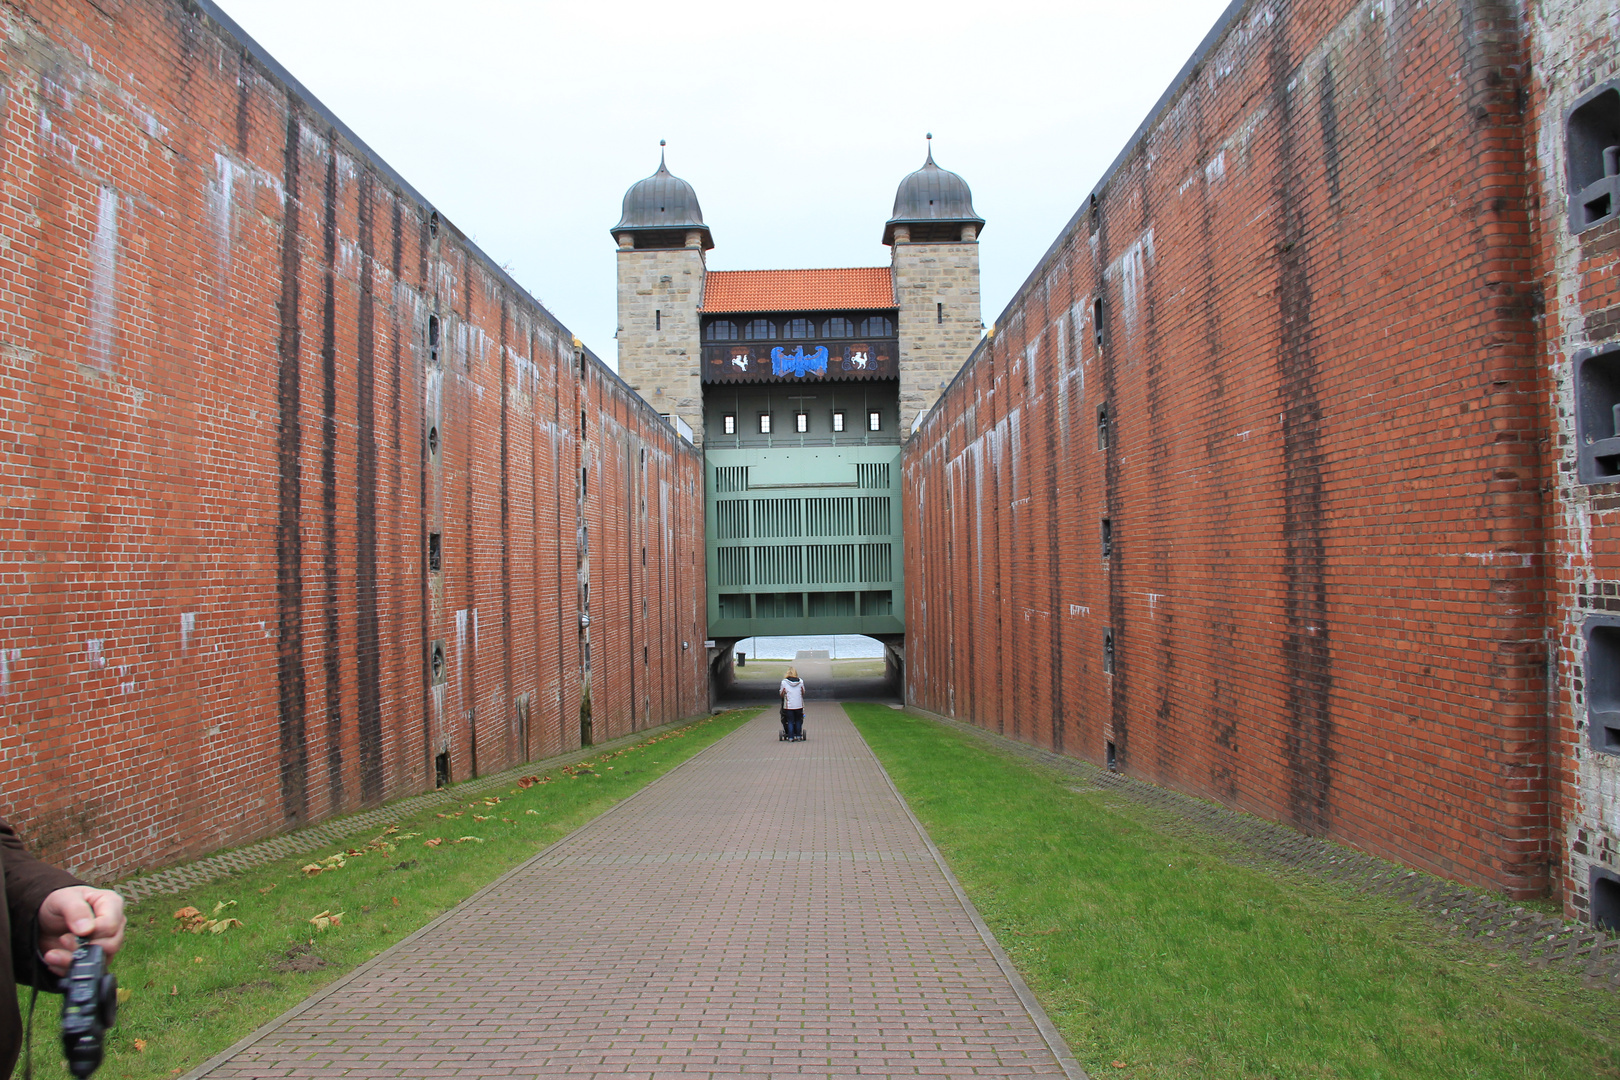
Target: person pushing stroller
792,694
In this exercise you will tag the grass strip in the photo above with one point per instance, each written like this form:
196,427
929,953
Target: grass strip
287,929
1158,955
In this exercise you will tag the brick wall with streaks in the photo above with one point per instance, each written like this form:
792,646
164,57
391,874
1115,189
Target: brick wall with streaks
1574,52
247,375
1325,593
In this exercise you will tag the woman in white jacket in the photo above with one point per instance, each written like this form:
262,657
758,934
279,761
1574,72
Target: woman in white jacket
792,694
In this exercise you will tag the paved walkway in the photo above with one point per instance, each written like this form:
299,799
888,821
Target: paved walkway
766,909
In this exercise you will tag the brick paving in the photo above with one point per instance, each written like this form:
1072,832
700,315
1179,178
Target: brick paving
766,909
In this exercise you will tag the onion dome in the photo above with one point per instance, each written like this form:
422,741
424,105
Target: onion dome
934,203
661,210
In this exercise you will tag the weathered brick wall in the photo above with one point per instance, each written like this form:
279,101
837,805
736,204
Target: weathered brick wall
1323,472
217,391
1575,47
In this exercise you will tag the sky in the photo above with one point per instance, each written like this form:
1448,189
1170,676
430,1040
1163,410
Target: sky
524,121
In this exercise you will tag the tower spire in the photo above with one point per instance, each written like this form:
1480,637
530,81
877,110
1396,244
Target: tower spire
661,166
930,148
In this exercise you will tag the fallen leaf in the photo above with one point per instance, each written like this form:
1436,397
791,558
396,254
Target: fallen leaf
268,887
535,812
187,913
474,839
222,905
225,924
396,901
480,817
435,842
312,869
124,994
174,991
1117,1064
528,781
197,960
140,1046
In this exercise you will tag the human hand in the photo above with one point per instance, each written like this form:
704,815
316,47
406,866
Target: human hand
94,916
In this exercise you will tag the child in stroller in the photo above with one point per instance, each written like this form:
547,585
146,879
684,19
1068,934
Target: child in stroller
792,693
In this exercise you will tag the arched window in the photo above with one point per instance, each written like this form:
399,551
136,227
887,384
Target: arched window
799,328
760,330
722,330
840,328
877,326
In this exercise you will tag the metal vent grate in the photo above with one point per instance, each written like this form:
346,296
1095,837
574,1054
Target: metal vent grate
733,565
731,519
877,563
829,517
779,565
874,515
829,564
777,518
872,474
731,478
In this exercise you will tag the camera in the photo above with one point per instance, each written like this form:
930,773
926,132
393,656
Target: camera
89,1008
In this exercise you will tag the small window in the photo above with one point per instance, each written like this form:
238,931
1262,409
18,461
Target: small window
1107,537
799,328
1597,415
939,312
730,423
877,326
840,328
1593,132
874,420
838,419
764,423
760,330
1602,634
801,422
584,483
721,330
658,320
1108,651
1097,321
1604,899
435,552
1102,427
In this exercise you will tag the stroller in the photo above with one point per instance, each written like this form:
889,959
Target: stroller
787,729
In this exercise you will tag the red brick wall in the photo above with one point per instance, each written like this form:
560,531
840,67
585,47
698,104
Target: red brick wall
1326,589
217,388
1574,49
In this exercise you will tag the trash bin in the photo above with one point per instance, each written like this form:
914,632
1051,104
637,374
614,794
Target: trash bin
742,659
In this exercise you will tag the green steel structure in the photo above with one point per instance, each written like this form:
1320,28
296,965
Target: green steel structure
804,541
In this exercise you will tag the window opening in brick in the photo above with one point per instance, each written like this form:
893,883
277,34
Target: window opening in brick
1602,633
658,319
1597,415
1102,427
730,423
1594,157
644,563
1107,537
436,667
801,422
643,457
644,655
1108,651
874,420
764,423
1113,758
585,483
433,441
1604,896
939,312
441,770
433,339
582,423
838,420
1097,321
433,223
435,552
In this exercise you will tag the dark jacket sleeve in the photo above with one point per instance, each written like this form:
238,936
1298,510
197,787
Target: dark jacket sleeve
28,883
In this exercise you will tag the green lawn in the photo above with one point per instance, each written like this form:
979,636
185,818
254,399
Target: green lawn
193,994
1156,956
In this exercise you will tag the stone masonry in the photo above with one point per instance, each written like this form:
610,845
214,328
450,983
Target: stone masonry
937,288
660,294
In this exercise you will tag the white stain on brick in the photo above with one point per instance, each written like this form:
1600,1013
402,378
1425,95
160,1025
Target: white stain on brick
104,283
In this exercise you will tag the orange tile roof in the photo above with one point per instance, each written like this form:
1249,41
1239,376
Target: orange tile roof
799,290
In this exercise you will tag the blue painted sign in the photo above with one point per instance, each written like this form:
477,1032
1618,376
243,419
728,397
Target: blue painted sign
799,365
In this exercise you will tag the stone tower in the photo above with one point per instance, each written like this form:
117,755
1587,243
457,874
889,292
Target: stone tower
934,237
662,238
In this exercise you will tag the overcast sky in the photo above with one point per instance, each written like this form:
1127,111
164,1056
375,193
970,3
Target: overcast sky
524,121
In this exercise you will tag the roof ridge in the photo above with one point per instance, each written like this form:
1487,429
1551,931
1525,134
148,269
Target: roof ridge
800,270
